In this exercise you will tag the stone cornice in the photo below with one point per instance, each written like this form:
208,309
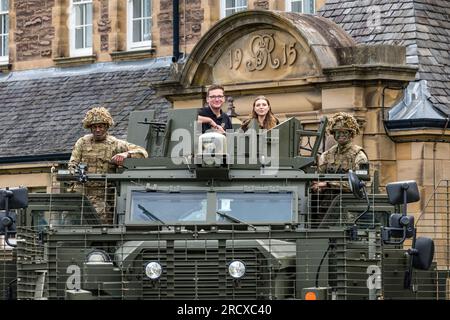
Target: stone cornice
361,76
5,67
420,135
73,61
370,72
133,55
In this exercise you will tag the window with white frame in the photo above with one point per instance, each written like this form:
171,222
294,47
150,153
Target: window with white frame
302,6
228,7
4,30
139,24
81,28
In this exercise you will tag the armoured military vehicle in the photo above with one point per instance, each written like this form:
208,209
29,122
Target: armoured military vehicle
209,216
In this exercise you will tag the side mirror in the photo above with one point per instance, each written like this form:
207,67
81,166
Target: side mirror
7,222
14,198
402,192
422,251
423,256
356,186
400,225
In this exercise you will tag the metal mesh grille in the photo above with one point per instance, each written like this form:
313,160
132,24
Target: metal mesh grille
434,222
202,274
7,269
90,205
282,260
31,265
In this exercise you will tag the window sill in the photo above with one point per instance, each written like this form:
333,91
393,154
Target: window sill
5,67
133,54
74,61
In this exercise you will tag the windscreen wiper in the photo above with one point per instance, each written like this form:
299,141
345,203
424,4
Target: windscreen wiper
234,219
152,216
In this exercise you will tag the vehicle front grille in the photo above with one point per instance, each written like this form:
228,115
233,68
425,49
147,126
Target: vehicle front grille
202,274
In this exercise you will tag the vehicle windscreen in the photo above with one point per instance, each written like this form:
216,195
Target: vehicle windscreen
230,207
165,207
255,207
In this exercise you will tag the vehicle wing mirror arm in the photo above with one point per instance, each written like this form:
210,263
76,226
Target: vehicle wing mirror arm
421,252
16,198
368,205
359,192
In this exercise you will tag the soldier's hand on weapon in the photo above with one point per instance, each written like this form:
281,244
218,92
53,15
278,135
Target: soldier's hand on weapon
120,157
81,170
317,186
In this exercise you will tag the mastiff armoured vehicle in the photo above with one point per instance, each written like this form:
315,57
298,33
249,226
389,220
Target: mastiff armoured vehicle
211,216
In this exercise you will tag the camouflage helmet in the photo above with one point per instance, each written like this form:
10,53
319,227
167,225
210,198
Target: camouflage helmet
97,115
343,121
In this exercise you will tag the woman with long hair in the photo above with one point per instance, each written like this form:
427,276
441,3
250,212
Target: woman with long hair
262,114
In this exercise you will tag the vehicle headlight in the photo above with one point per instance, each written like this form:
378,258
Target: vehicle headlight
153,270
98,257
236,269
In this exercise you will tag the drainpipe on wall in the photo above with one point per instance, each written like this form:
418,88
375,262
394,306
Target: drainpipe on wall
176,31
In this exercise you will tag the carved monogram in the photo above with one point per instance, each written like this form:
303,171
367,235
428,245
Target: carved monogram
260,54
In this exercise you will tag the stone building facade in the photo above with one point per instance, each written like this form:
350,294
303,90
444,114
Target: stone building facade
40,31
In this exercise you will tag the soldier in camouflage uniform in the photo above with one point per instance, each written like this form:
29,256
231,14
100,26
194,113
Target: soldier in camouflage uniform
340,158
344,155
102,153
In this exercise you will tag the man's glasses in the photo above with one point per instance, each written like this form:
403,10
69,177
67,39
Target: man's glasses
216,97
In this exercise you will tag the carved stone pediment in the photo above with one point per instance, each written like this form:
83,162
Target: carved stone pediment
264,55
260,45
284,52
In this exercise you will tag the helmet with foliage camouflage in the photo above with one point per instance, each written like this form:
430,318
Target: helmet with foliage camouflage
97,115
343,121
